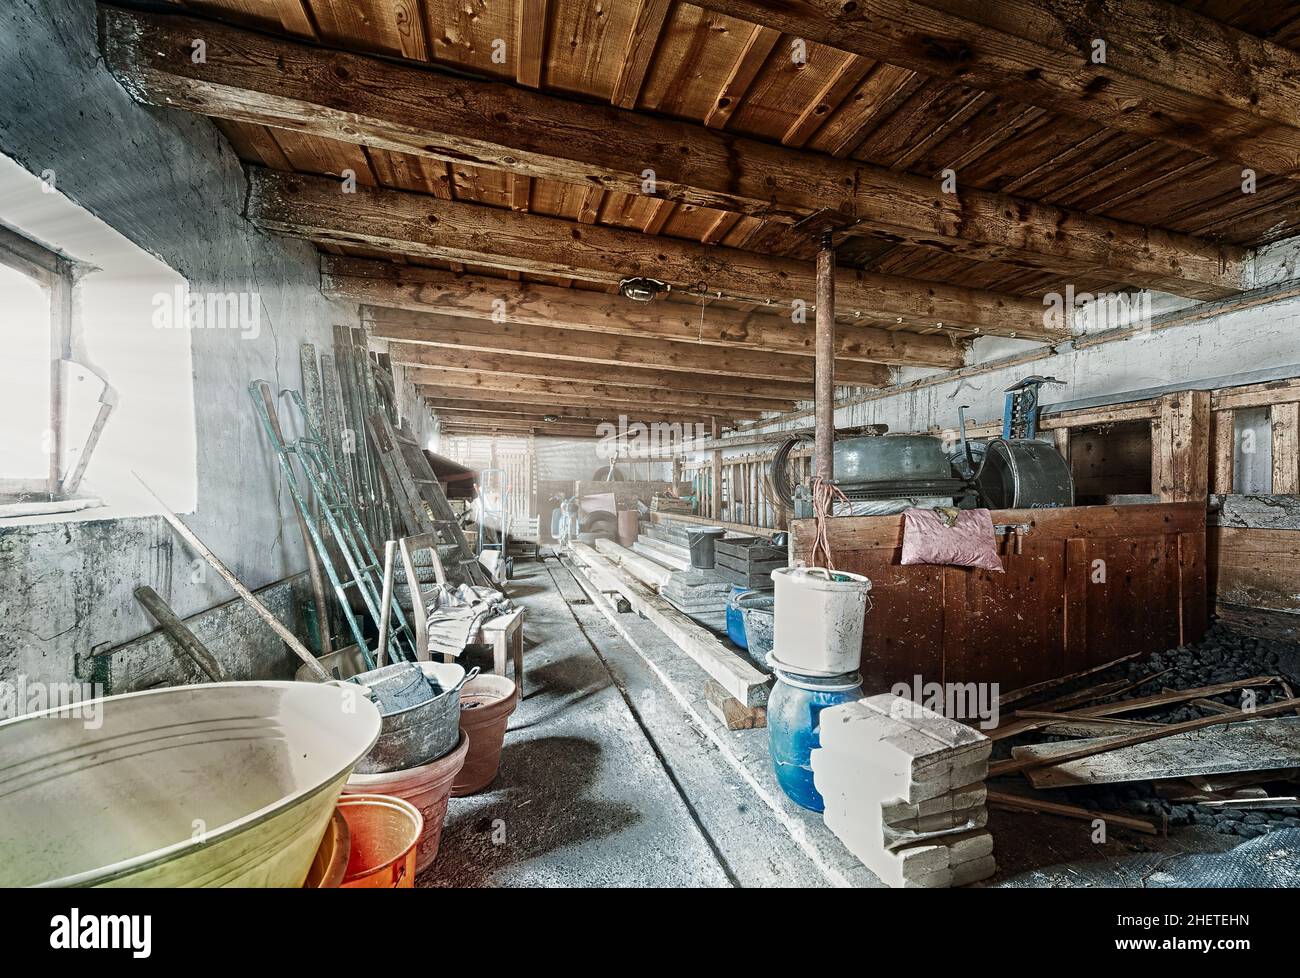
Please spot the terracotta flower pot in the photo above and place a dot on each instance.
(486, 703)
(426, 787)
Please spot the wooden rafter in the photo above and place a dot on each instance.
(378, 283)
(416, 224)
(603, 348)
(546, 390)
(542, 402)
(359, 99)
(451, 358)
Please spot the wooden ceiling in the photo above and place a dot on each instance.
(1102, 177)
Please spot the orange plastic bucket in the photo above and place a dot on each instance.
(384, 832)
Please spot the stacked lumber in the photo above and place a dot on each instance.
(904, 791)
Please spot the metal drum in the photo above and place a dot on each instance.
(1024, 474)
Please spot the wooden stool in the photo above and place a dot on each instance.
(505, 634)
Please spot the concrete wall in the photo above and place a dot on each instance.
(169, 182)
(1224, 341)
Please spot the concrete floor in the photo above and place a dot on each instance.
(588, 795)
(615, 774)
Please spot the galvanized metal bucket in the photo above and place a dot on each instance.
(424, 732)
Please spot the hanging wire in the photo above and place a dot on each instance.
(825, 496)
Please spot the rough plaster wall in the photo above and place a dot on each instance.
(169, 182)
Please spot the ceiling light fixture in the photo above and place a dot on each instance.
(643, 289)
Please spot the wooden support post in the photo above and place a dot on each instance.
(824, 384)
(1180, 447)
(1286, 448)
(716, 486)
(1222, 473)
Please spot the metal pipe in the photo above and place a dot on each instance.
(824, 384)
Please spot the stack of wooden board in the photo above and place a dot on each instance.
(904, 791)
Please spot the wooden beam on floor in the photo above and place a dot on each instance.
(416, 289)
(405, 223)
(452, 358)
(605, 348)
(544, 390)
(356, 98)
(1168, 73)
(728, 668)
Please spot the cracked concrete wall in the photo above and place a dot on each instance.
(170, 182)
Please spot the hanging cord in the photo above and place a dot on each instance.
(825, 496)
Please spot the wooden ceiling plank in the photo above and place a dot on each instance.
(355, 98)
(757, 47)
(1169, 74)
(530, 41)
(638, 53)
(431, 290)
(414, 224)
(847, 76)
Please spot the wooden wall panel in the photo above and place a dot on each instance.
(1053, 611)
(1256, 568)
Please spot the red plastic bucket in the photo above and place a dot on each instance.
(384, 832)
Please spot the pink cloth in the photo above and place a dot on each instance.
(927, 539)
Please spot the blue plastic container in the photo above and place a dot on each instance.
(794, 710)
(735, 620)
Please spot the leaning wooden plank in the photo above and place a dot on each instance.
(740, 679)
(1174, 696)
(1024, 692)
(1276, 801)
(1080, 751)
(263, 612)
(1003, 799)
(1065, 724)
(1261, 745)
(186, 641)
(645, 571)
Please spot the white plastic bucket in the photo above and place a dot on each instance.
(820, 615)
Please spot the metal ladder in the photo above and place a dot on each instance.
(364, 570)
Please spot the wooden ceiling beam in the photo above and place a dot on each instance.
(408, 223)
(472, 425)
(548, 403)
(451, 358)
(548, 390)
(604, 348)
(563, 415)
(416, 289)
(1168, 73)
(356, 98)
